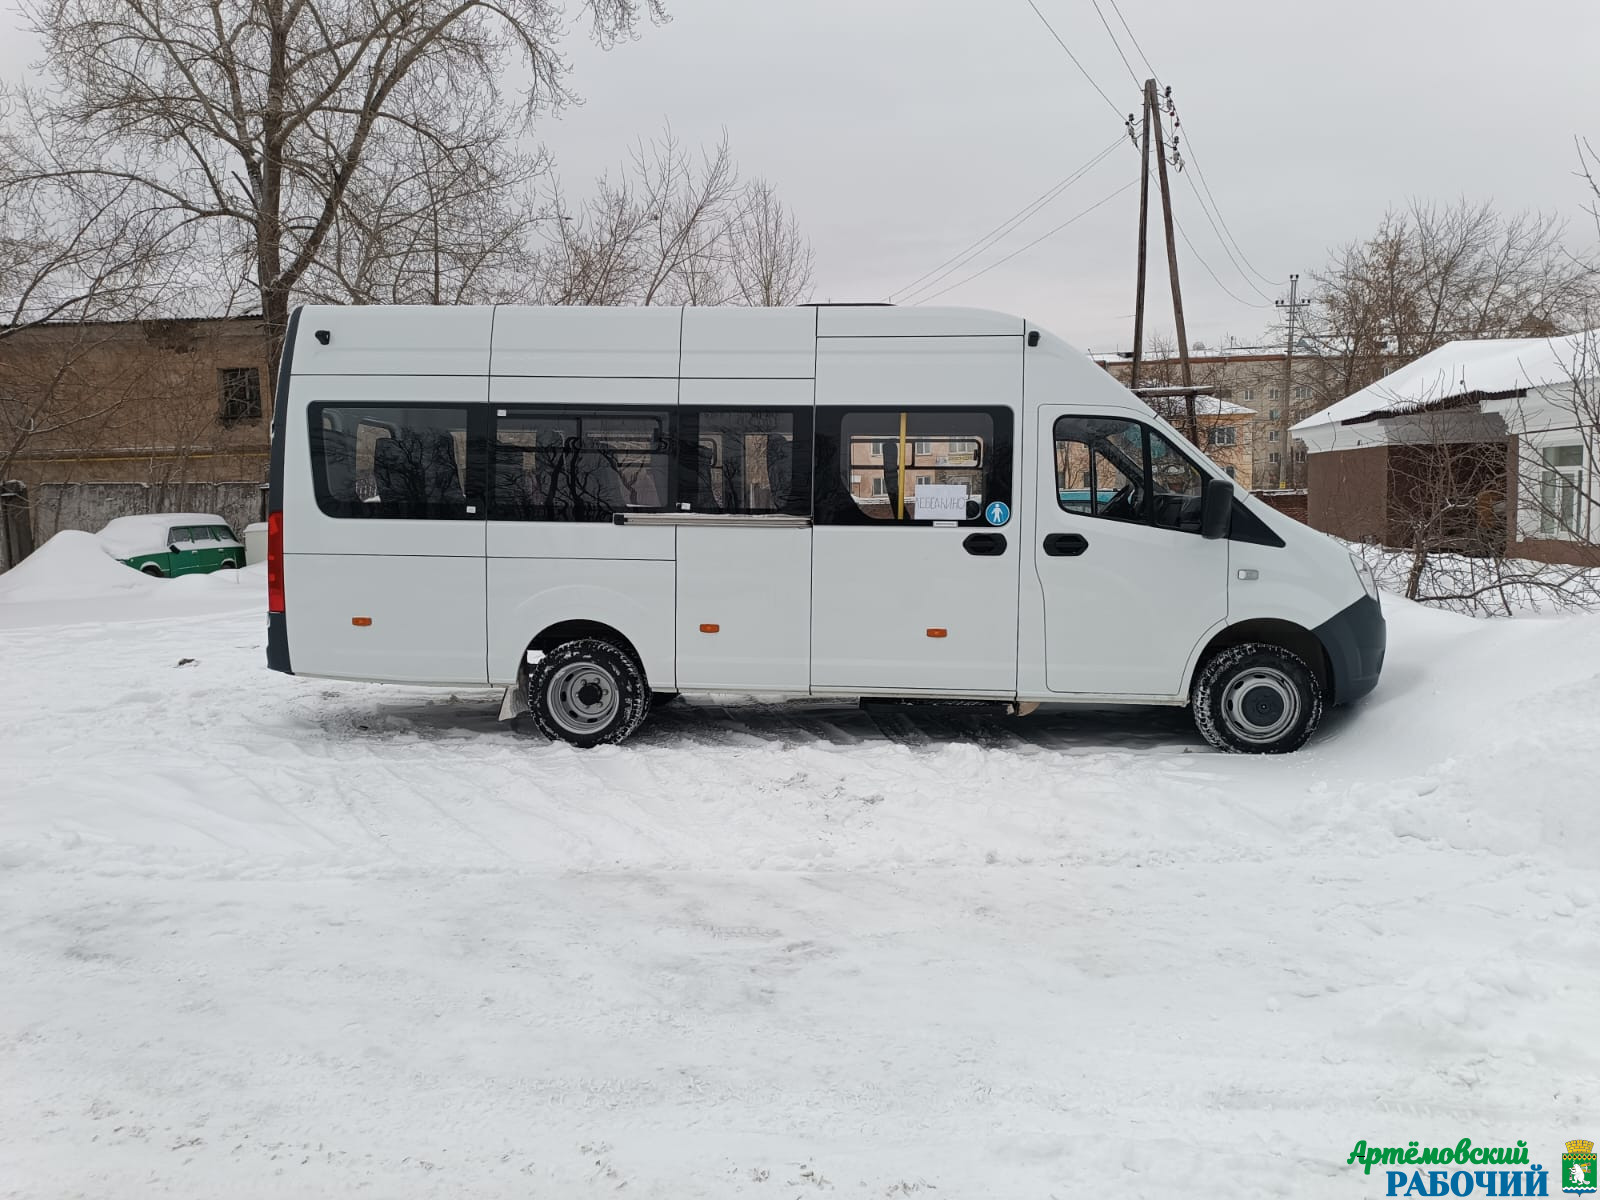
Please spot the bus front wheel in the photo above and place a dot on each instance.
(1256, 699)
(588, 692)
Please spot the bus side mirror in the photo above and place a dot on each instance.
(1216, 510)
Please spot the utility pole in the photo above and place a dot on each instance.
(1152, 118)
(1144, 225)
(1153, 108)
(1292, 307)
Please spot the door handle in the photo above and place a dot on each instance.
(1065, 545)
(985, 545)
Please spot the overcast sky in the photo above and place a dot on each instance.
(902, 130)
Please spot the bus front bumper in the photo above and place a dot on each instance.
(1355, 639)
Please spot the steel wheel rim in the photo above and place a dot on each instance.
(1260, 705)
(584, 698)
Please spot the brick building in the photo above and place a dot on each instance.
(1251, 377)
(104, 419)
(1482, 446)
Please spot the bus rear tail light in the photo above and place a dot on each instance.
(275, 562)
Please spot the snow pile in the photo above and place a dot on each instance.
(71, 566)
(71, 579)
(274, 936)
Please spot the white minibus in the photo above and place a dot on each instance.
(597, 508)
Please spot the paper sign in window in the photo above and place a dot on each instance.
(940, 502)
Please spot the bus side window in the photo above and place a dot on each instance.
(872, 461)
(569, 464)
(390, 461)
(1123, 470)
(745, 460)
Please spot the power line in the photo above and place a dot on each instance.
(1010, 224)
(1142, 57)
(1209, 195)
(1210, 272)
(1223, 242)
(1081, 69)
(1132, 74)
(1193, 159)
(1048, 233)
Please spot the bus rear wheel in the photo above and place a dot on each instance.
(588, 692)
(1256, 699)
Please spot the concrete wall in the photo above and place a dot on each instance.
(1347, 493)
(88, 506)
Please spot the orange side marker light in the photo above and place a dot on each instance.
(938, 633)
(711, 629)
(363, 622)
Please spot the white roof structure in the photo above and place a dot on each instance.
(1214, 406)
(1488, 368)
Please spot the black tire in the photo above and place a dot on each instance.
(152, 569)
(1256, 699)
(588, 693)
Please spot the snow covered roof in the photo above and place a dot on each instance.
(1215, 406)
(146, 533)
(1497, 366)
(1204, 406)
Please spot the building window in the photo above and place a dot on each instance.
(1299, 454)
(1272, 393)
(1222, 435)
(1274, 458)
(1272, 414)
(1561, 492)
(1233, 472)
(1302, 393)
(1249, 394)
(1272, 435)
(1222, 393)
(239, 390)
(923, 449)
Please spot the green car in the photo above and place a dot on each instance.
(168, 544)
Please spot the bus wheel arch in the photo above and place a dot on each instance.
(1272, 631)
(571, 631)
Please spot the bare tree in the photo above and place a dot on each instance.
(674, 227)
(1432, 274)
(424, 224)
(771, 263)
(73, 251)
(260, 116)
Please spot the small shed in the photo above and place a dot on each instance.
(1481, 446)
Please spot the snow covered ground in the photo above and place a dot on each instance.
(267, 936)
